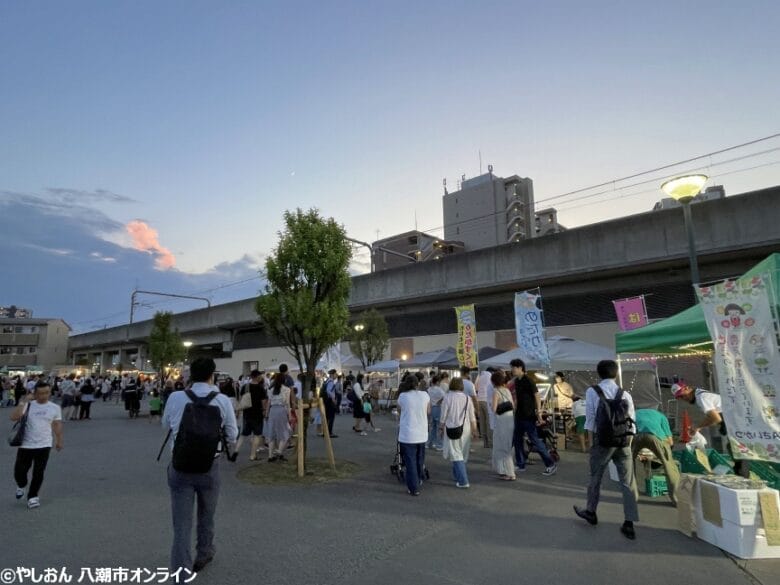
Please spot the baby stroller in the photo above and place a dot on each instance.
(547, 434)
(397, 467)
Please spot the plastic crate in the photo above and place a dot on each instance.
(769, 472)
(689, 463)
(656, 486)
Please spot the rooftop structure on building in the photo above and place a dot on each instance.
(488, 210)
(546, 222)
(709, 194)
(14, 312)
(413, 246)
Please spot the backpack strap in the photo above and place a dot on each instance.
(203, 399)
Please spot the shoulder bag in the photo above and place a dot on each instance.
(505, 406)
(16, 437)
(246, 400)
(456, 433)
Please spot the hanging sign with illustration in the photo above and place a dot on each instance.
(740, 321)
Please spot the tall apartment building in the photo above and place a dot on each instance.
(33, 342)
(488, 211)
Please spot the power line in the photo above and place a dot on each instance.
(614, 181)
(664, 167)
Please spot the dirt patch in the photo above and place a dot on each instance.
(280, 473)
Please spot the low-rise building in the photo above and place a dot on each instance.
(32, 344)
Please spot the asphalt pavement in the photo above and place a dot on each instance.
(105, 503)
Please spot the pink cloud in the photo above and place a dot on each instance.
(146, 239)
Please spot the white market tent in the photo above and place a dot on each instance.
(571, 355)
(430, 358)
(388, 366)
(566, 353)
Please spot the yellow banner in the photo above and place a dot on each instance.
(467, 336)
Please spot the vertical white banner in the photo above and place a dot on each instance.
(529, 328)
(739, 318)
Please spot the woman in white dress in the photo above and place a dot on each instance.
(503, 406)
(277, 416)
(458, 411)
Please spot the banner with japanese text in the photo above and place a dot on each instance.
(467, 336)
(530, 327)
(739, 318)
(631, 313)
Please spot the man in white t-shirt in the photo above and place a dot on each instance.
(485, 412)
(44, 418)
(68, 390)
(415, 405)
(711, 405)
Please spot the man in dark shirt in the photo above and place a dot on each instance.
(253, 416)
(528, 414)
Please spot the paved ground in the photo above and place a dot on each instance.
(105, 504)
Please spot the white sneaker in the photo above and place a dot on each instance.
(377, 430)
(363, 434)
(550, 470)
(463, 487)
(19, 493)
(33, 503)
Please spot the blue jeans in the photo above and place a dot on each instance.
(185, 487)
(413, 455)
(528, 427)
(433, 426)
(459, 472)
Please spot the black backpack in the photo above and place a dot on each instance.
(613, 425)
(199, 435)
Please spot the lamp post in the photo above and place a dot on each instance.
(187, 345)
(684, 189)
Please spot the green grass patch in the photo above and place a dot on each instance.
(286, 473)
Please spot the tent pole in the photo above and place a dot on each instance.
(620, 372)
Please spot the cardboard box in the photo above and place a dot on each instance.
(731, 520)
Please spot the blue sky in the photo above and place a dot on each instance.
(209, 119)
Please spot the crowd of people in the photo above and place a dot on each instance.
(436, 412)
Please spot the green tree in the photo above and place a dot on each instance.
(165, 345)
(305, 300)
(369, 338)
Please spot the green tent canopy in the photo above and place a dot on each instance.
(688, 327)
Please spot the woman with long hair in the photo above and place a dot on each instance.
(277, 427)
(457, 411)
(503, 406)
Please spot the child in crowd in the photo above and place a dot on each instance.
(578, 412)
(155, 406)
(367, 408)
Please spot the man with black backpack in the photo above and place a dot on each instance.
(610, 416)
(202, 422)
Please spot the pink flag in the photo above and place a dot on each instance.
(631, 313)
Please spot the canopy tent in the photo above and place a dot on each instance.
(689, 327)
(579, 359)
(429, 358)
(388, 366)
(484, 354)
(566, 353)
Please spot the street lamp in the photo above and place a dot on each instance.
(684, 189)
(359, 327)
(187, 344)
